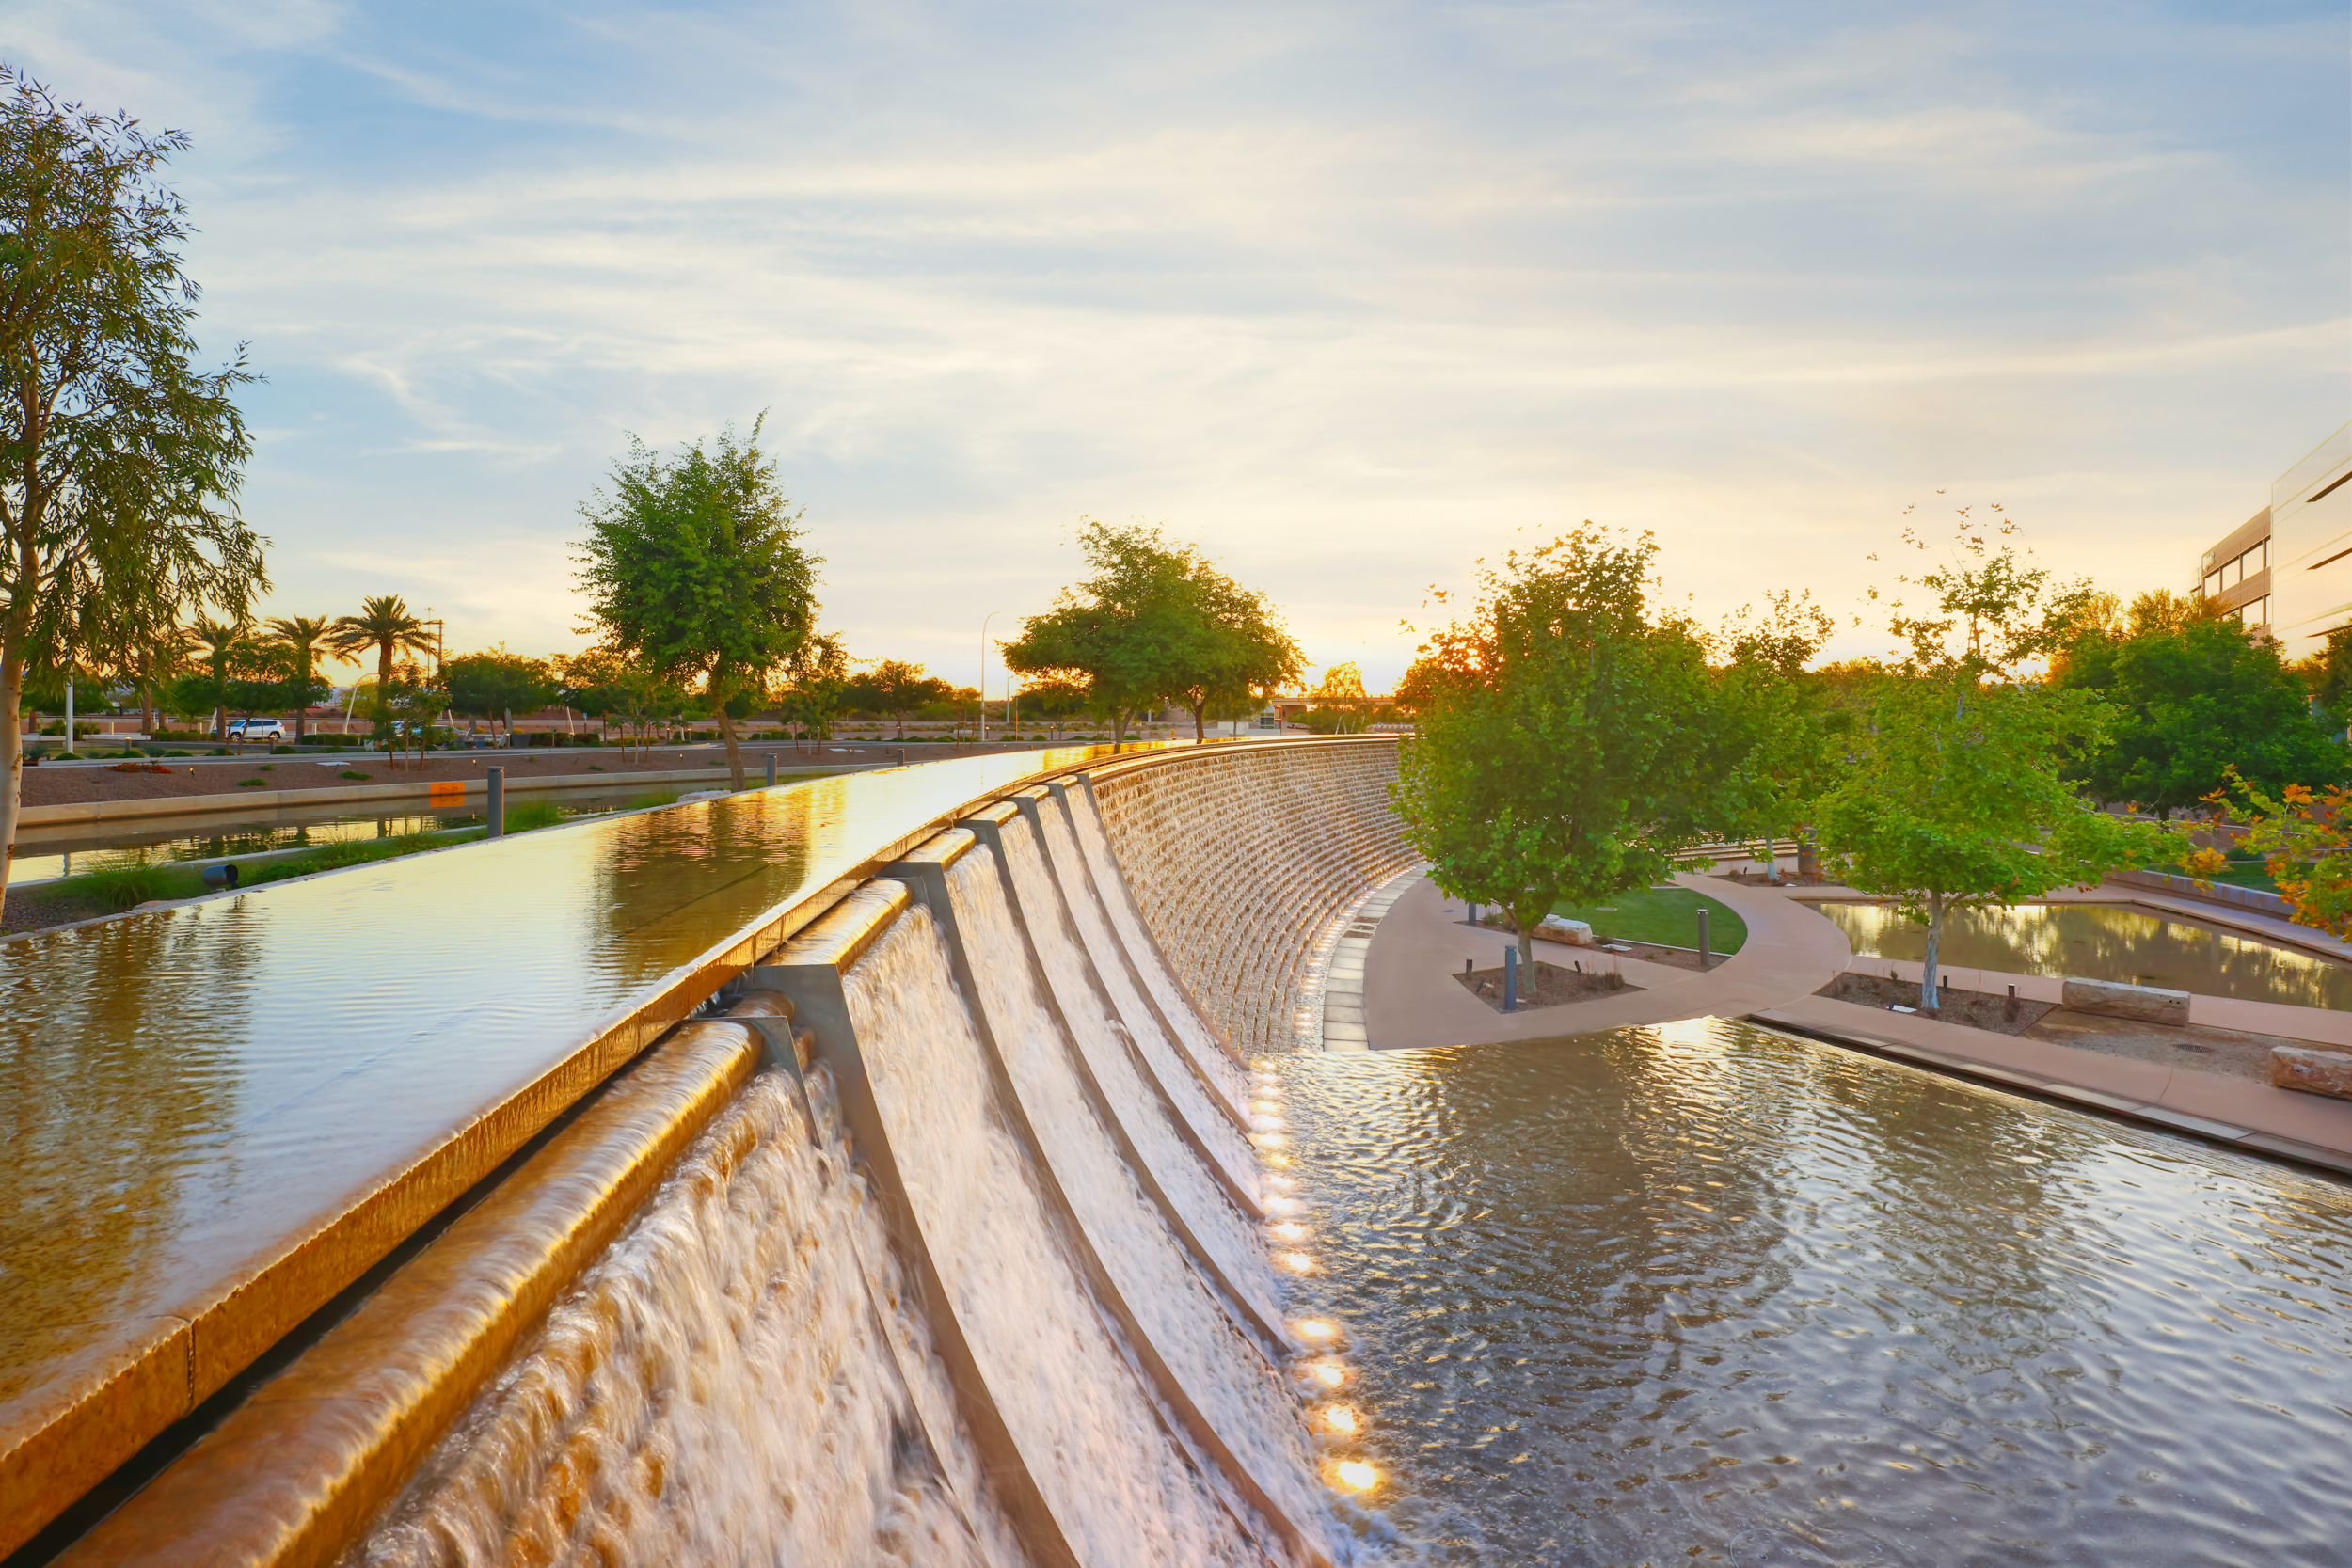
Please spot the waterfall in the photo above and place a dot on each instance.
(1151, 1124)
(1123, 1486)
(739, 1379)
(1192, 1033)
(1226, 1374)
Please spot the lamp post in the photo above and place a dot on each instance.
(984, 621)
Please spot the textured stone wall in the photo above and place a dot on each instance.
(1239, 856)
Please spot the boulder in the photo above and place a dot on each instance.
(2292, 1067)
(2114, 999)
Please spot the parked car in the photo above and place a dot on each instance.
(271, 729)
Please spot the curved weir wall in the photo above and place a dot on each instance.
(931, 1226)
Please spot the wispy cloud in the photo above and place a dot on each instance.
(1352, 295)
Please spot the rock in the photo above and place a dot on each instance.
(2114, 999)
(1555, 927)
(692, 795)
(2292, 1067)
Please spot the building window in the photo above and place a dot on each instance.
(2212, 584)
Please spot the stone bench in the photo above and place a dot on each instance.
(2293, 1066)
(2114, 999)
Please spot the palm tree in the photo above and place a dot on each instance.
(302, 637)
(385, 624)
(217, 643)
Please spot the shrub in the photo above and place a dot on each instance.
(533, 815)
(121, 887)
(653, 797)
(355, 773)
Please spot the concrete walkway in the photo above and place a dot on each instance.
(1412, 1000)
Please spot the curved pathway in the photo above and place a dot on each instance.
(1412, 998)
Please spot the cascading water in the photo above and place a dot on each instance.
(736, 1380)
(1151, 1123)
(1167, 1061)
(1119, 902)
(1124, 1488)
(1241, 1392)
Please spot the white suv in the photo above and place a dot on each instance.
(271, 729)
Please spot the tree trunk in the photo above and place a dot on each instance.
(1935, 936)
(1119, 728)
(12, 758)
(1199, 721)
(734, 748)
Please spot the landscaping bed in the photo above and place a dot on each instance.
(2001, 1014)
(1543, 985)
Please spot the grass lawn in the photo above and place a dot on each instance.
(1668, 916)
(2242, 871)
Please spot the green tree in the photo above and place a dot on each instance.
(385, 626)
(614, 686)
(695, 565)
(2195, 699)
(220, 648)
(299, 641)
(1341, 706)
(1156, 621)
(123, 461)
(1568, 741)
(815, 685)
(1777, 721)
(897, 689)
(1952, 795)
(496, 684)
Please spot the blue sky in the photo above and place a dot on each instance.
(1350, 295)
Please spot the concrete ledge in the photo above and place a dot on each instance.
(420, 789)
(297, 1470)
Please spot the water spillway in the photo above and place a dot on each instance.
(910, 1187)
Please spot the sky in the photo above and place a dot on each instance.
(1351, 295)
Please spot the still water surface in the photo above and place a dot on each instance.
(2104, 941)
(1705, 1293)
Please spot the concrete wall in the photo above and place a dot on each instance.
(1238, 857)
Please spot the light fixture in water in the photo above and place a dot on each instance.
(1280, 1182)
(1264, 1123)
(1297, 1262)
(1283, 1205)
(1289, 1231)
(1278, 1160)
(1265, 1108)
(1316, 1328)
(1342, 1418)
(1358, 1476)
(1268, 1140)
(1330, 1373)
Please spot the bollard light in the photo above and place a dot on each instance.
(498, 803)
(1705, 946)
(771, 771)
(1510, 979)
(220, 875)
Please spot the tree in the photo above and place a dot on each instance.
(814, 686)
(614, 686)
(2305, 838)
(897, 689)
(2195, 699)
(384, 624)
(497, 682)
(1154, 621)
(123, 461)
(1776, 721)
(1567, 744)
(1952, 795)
(695, 565)
(220, 646)
(1341, 706)
(300, 640)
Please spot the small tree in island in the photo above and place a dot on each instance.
(1570, 741)
(1953, 792)
(693, 566)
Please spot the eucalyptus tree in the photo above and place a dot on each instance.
(693, 566)
(120, 461)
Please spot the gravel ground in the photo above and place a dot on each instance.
(1541, 985)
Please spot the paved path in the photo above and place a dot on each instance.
(1411, 1000)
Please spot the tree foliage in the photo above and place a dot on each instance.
(1569, 738)
(1952, 792)
(694, 564)
(119, 462)
(2304, 837)
(385, 626)
(2195, 699)
(1156, 621)
(498, 685)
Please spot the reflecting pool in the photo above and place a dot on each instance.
(2105, 942)
(1707, 1293)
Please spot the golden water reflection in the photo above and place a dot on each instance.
(1717, 1294)
(2104, 941)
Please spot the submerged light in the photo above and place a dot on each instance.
(1316, 1328)
(1291, 1230)
(1342, 1418)
(1330, 1373)
(1297, 1262)
(1355, 1474)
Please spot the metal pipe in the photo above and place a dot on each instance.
(1511, 978)
(498, 803)
(1706, 956)
(771, 771)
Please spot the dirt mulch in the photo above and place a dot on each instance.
(2192, 1046)
(37, 911)
(2001, 1014)
(1672, 957)
(1543, 985)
